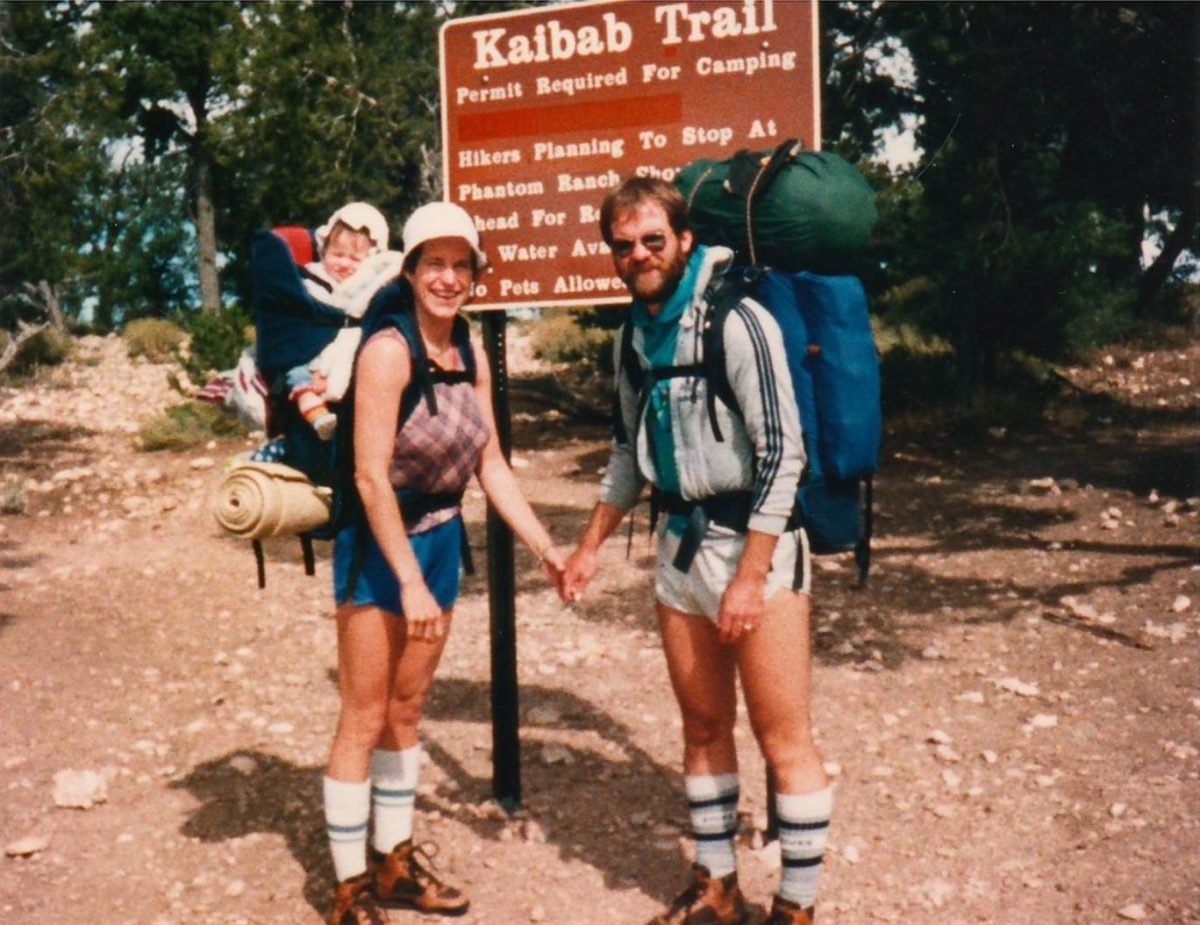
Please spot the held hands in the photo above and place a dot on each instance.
(742, 610)
(553, 563)
(570, 575)
(577, 575)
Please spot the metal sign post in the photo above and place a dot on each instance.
(502, 600)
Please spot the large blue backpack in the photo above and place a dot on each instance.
(834, 370)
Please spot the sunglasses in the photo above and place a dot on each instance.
(652, 242)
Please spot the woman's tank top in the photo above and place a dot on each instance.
(437, 453)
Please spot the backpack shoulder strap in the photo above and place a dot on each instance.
(723, 297)
(630, 366)
(420, 383)
(460, 336)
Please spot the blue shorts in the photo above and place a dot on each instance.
(438, 552)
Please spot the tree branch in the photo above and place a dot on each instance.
(25, 332)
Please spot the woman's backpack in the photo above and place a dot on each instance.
(292, 327)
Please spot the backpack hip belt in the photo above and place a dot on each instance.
(731, 509)
(414, 504)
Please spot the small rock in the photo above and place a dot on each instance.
(1181, 603)
(27, 846)
(850, 853)
(203, 462)
(1117, 810)
(243, 764)
(1043, 721)
(542, 715)
(79, 789)
(1047, 485)
(553, 753)
(537, 913)
(1134, 912)
(1018, 687)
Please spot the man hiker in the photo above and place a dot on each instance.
(732, 575)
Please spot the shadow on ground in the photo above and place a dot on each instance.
(248, 792)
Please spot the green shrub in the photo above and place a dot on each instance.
(1104, 318)
(559, 338)
(218, 339)
(185, 426)
(156, 339)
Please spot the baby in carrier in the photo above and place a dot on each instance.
(354, 264)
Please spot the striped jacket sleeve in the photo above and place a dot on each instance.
(622, 483)
(759, 377)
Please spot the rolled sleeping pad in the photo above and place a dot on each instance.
(258, 500)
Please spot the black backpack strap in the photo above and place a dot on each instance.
(460, 336)
(723, 297)
(259, 562)
(306, 550)
(425, 373)
(751, 175)
(862, 549)
(730, 509)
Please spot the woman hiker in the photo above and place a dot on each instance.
(404, 568)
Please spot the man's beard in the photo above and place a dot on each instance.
(657, 285)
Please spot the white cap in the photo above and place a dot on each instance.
(358, 216)
(442, 220)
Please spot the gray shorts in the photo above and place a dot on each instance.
(699, 590)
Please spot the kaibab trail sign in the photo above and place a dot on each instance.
(545, 110)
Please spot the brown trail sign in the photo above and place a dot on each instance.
(545, 110)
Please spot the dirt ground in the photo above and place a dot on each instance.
(1010, 708)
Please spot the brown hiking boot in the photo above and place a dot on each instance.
(401, 880)
(353, 903)
(706, 901)
(785, 912)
